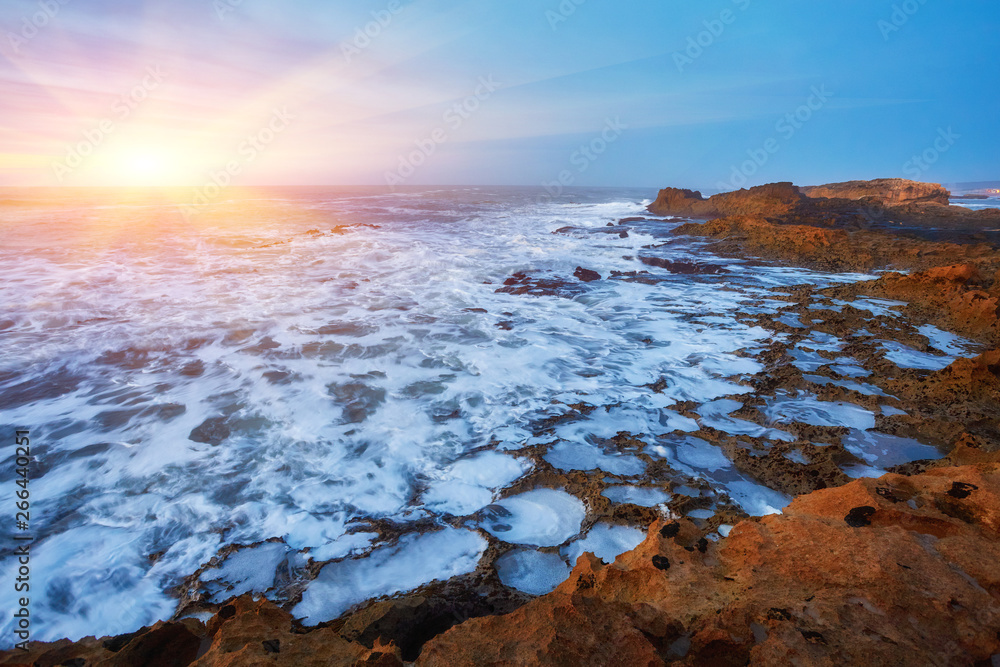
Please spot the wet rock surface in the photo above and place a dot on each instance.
(879, 572)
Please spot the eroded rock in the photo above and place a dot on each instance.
(806, 587)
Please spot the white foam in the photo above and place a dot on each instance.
(247, 570)
(581, 456)
(415, 561)
(809, 410)
(642, 496)
(857, 471)
(701, 455)
(885, 451)
(533, 572)
(850, 370)
(947, 342)
(797, 457)
(65, 571)
(905, 356)
(715, 415)
(606, 541)
(542, 518)
(879, 307)
(470, 484)
(698, 458)
(756, 499)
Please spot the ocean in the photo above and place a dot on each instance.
(326, 391)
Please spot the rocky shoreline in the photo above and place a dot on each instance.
(894, 570)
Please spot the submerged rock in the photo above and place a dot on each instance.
(586, 275)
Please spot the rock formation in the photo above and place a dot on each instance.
(895, 571)
(884, 191)
(883, 202)
(765, 200)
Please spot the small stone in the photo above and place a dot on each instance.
(670, 530)
(961, 490)
(813, 637)
(859, 517)
(212, 431)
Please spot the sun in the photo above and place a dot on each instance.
(145, 164)
(139, 165)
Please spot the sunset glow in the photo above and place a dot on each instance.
(172, 94)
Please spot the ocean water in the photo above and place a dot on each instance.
(290, 367)
(993, 201)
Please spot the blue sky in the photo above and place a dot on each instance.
(698, 94)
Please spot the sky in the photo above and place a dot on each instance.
(711, 95)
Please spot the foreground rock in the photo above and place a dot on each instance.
(243, 632)
(899, 570)
(895, 571)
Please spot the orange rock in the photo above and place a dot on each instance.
(890, 191)
(894, 571)
(244, 632)
(960, 273)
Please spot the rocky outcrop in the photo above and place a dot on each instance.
(964, 298)
(884, 191)
(243, 632)
(855, 204)
(765, 200)
(956, 285)
(829, 249)
(682, 203)
(895, 571)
